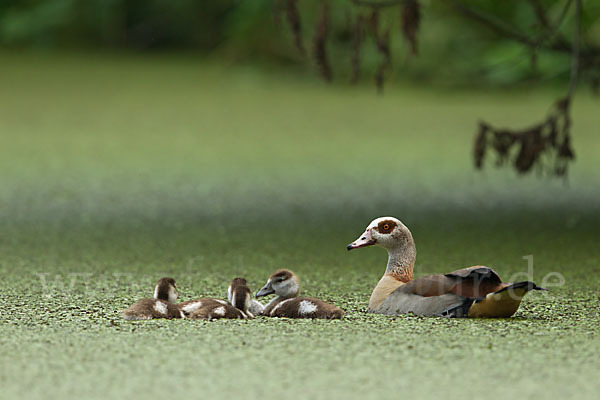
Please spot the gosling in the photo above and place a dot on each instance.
(161, 306)
(286, 285)
(240, 299)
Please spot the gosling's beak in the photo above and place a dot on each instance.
(266, 290)
(363, 241)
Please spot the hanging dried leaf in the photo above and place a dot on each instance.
(411, 19)
(357, 40)
(293, 17)
(551, 137)
(480, 144)
(374, 22)
(382, 43)
(524, 149)
(532, 145)
(383, 46)
(320, 41)
(502, 142)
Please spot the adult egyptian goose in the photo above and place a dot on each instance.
(240, 299)
(161, 306)
(286, 285)
(469, 292)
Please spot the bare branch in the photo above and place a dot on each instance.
(506, 30)
(563, 14)
(552, 29)
(494, 24)
(540, 13)
(320, 43)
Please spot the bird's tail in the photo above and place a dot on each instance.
(499, 304)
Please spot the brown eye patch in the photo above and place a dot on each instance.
(386, 226)
(281, 275)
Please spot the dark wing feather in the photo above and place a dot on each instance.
(474, 282)
(478, 272)
(469, 282)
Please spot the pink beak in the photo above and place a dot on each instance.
(364, 240)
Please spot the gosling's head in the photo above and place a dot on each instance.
(386, 232)
(239, 295)
(166, 289)
(283, 283)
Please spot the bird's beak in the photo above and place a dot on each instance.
(366, 239)
(266, 290)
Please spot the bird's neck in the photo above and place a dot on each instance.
(164, 292)
(273, 303)
(401, 260)
(399, 271)
(288, 295)
(240, 299)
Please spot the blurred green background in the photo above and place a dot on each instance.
(189, 139)
(452, 49)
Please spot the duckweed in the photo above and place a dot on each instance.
(113, 177)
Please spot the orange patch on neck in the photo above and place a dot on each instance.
(402, 275)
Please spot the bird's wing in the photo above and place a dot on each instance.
(402, 302)
(435, 294)
(475, 282)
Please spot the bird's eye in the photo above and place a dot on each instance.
(386, 227)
